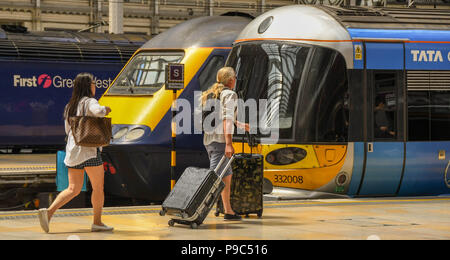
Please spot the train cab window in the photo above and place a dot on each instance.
(270, 72)
(144, 75)
(323, 111)
(208, 75)
(385, 105)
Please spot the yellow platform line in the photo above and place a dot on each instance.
(356, 201)
(271, 205)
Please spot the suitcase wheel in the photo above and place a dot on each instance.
(162, 213)
(194, 225)
(259, 214)
(171, 223)
(217, 213)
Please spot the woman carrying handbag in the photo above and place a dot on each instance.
(81, 158)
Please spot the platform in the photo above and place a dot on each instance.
(27, 168)
(360, 218)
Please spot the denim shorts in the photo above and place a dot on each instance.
(215, 153)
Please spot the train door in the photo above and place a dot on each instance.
(385, 151)
(427, 163)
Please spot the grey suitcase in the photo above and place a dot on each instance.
(194, 194)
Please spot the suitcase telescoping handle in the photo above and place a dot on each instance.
(226, 167)
(249, 141)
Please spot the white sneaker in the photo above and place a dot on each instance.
(43, 219)
(104, 228)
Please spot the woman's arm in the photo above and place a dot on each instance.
(228, 131)
(244, 126)
(96, 109)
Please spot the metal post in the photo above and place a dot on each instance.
(37, 21)
(173, 160)
(210, 7)
(115, 17)
(99, 16)
(261, 6)
(154, 27)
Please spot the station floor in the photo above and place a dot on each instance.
(321, 219)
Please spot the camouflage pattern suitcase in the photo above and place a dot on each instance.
(246, 185)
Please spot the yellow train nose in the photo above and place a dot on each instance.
(134, 109)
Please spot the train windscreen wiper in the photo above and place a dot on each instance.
(132, 84)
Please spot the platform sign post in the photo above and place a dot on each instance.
(174, 82)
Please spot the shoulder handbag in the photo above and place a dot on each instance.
(90, 131)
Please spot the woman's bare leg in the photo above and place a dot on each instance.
(76, 178)
(97, 177)
(226, 195)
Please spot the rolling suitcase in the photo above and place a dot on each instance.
(194, 194)
(246, 196)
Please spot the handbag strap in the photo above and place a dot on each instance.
(84, 106)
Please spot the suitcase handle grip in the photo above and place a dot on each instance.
(226, 167)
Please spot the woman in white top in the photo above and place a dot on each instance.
(78, 158)
(219, 143)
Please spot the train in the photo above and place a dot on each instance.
(37, 71)
(138, 160)
(362, 97)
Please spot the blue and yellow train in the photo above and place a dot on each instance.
(37, 71)
(138, 161)
(362, 97)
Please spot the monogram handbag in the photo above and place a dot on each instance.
(90, 131)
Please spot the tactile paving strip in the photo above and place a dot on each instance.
(28, 169)
(37, 167)
(279, 204)
(79, 212)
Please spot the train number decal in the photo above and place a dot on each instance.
(288, 179)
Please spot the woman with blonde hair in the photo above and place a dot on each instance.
(219, 143)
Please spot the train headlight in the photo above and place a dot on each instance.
(119, 134)
(341, 179)
(134, 134)
(265, 24)
(285, 156)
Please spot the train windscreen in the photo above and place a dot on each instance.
(299, 91)
(144, 75)
(271, 72)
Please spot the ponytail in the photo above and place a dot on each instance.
(224, 75)
(213, 92)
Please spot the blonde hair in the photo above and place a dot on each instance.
(224, 76)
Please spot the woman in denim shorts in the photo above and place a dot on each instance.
(218, 141)
(79, 158)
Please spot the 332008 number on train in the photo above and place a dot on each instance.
(288, 179)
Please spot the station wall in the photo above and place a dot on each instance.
(147, 16)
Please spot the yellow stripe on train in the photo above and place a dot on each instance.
(320, 166)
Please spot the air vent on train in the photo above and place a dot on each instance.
(428, 80)
(65, 51)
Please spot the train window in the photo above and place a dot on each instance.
(323, 105)
(385, 105)
(208, 75)
(428, 105)
(418, 115)
(144, 75)
(440, 115)
(270, 72)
